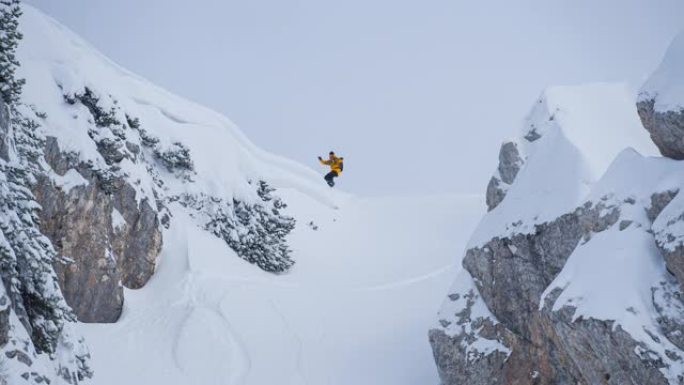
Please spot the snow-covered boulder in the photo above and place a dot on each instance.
(661, 102)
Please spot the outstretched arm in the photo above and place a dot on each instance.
(325, 162)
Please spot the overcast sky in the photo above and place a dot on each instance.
(417, 95)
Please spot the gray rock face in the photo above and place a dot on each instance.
(666, 128)
(675, 262)
(495, 193)
(510, 163)
(88, 273)
(600, 353)
(524, 265)
(454, 368)
(658, 203)
(457, 361)
(98, 258)
(673, 253)
(139, 241)
(545, 346)
(667, 301)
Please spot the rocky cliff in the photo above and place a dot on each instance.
(574, 276)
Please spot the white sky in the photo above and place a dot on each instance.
(417, 95)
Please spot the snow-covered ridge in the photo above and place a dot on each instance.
(58, 63)
(568, 140)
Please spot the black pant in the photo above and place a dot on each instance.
(329, 177)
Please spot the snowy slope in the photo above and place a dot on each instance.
(58, 62)
(353, 311)
(354, 308)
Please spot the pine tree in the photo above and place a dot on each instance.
(26, 255)
(27, 271)
(10, 86)
(255, 231)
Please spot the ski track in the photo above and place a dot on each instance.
(195, 300)
(383, 286)
(300, 346)
(409, 281)
(239, 350)
(177, 340)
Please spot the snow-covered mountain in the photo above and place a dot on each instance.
(191, 256)
(144, 239)
(575, 275)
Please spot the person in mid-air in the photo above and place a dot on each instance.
(336, 167)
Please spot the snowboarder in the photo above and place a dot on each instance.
(336, 167)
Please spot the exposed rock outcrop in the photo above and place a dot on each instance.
(668, 231)
(469, 344)
(666, 128)
(528, 263)
(510, 163)
(107, 239)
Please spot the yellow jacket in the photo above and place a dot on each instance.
(334, 162)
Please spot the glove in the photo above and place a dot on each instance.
(319, 158)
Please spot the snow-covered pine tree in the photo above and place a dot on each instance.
(26, 255)
(10, 86)
(256, 231)
(32, 280)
